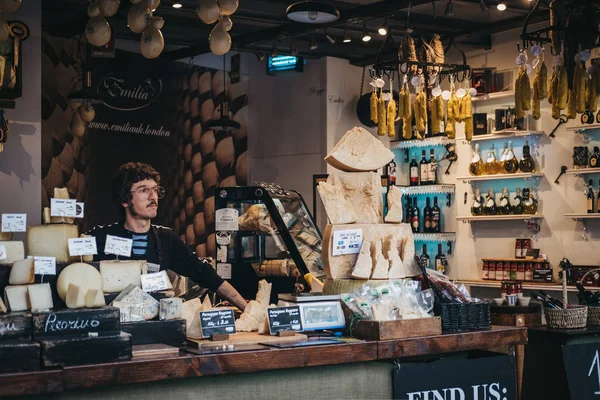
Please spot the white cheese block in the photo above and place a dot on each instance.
(40, 297)
(206, 304)
(394, 201)
(263, 296)
(256, 310)
(117, 275)
(263, 327)
(364, 263)
(75, 296)
(246, 323)
(51, 241)
(382, 312)
(380, 264)
(3, 309)
(15, 251)
(359, 151)
(391, 252)
(88, 258)
(16, 298)
(171, 308)
(409, 264)
(135, 297)
(81, 274)
(362, 191)
(61, 193)
(22, 272)
(191, 313)
(94, 298)
(338, 209)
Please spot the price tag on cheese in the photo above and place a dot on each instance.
(156, 281)
(118, 246)
(14, 222)
(216, 322)
(63, 208)
(284, 319)
(82, 246)
(44, 265)
(347, 241)
(3, 255)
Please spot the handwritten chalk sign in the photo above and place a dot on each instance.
(14, 222)
(118, 246)
(217, 322)
(284, 319)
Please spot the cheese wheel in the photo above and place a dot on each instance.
(181, 194)
(182, 218)
(81, 274)
(201, 250)
(195, 107)
(359, 151)
(117, 275)
(196, 134)
(199, 225)
(198, 192)
(6, 236)
(210, 175)
(211, 246)
(242, 118)
(209, 210)
(207, 144)
(189, 207)
(241, 169)
(193, 82)
(206, 110)
(188, 180)
(225, 153)
(197, 163)
(228, 182)
(190, 237)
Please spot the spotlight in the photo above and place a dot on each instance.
(347, 38)
(313, 42)
(330, 39)
(177, 4)
(259, 56)
(483, 5)
(366, 37)
(501, 6)
(383, 29)
(449, 9)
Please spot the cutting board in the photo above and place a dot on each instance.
(250, 338)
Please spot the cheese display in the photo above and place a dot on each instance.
(246, 323)
(16, 298)
(190, 311)
(137, 302)
(380, 264)
(391, 249)
(256, 218)
(40, 297)
(255, 314)
(81, 274)
(63, 194)
(94, 298)
(51, 241)
(364, 263)
(75, 296)
(362, 192)
(359, 151)
(338, 209)
(394, 202)
(263, 295)
(117, 275)
(170, 308)
(3, 308)
(22, 272)
(15, 251)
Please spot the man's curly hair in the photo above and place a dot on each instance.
(128, 175)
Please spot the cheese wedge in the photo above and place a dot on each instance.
(380, 264)
(392, 254)
(171, 308)
(206, 304)
(15, 251)
(40, 297)
(246, 323)
(364, 263)
(22, 272)
(362, 190)
(359, 151)
(263, 296)
(338, 209)
(61, 193)
(94, 298)
(394, 202)
(138, 302)
(83, 275)
(191, 313)
(409, 265)
(16, 298)
(117, 275)
(51, 241)
(3, 309)
(75, 297)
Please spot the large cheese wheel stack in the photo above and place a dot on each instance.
(352, 200)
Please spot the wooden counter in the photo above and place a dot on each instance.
(184, 365)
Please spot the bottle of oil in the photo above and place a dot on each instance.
(511, 165)
(477, 207)
(503, 158)
(517, 207)
(527, 164)
(529, 203)
(492, 166)
(476, 167)
(505, 207)
(490, 207)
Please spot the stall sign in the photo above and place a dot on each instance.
(582, 364)
(217, 322)
(284, 319)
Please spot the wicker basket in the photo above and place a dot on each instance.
(570, 318)
(593, 317)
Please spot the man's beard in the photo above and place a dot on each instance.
(132, 208)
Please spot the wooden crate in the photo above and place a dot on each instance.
(19, 356)
(380, 330)
(170, 332)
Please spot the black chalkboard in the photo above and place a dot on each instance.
(217, 322)
(82, 321)
(284, 319)
(15, 325)
(582, 364)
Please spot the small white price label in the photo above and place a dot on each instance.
(118, 246)
(14, 222)
(155, 282)
(44, 265)
(63, 208)
(226, 219)
(347, 241)
(82, 246)
(3, 255)
(224, 270)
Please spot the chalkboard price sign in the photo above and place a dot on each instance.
(217, 322)
(284, 319)
(582, 364)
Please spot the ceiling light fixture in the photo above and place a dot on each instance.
(501, 6)
(313, 42)
(177, 4)
(259, 56)
(347, 38)
(449, 12)
(383, 29)
(483, 5)
(312, 12)
(366, 37)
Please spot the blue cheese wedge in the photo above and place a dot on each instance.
(171, 308)
(137, 302)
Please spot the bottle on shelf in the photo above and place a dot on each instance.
(408, 211)
(424, 169)
(476, 167)
(511, 165)
(424, 259)
(598, 201)
(529, 203)
(477, 207)
(490, 207)
(414, 172)
(492, 166)
(432, 168)
(590, 198)
(436, 217)
(526, 164)
(505, 207)
(595, 158)
(586, 297)
(427, 214)
(517, 207)
(415, 220)
(390, 171)
(503, 158)
(440, 260)
(546, 302)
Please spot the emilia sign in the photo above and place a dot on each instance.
(129, 93)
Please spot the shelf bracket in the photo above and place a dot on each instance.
(532, 224)
(448, 199)
(449, 247)
(406, 155)
(584, 235)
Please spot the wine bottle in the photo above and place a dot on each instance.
(414, 172)
(490, 207)
(424, 259)
(424, 169)
(391, 172)
(511, 165)
(477, 207)
(415, 217)
(491, 163)
(517, 207)
(529, 203)
(526, 164)
(595, 158)
(505, 207)
(476, 167)
(503, 158)
(432, 168)
(551, 299)
(427, 216)
(408, 211)
(543, 300)
(585, 296)
(590, 198)
(440, 260)
(436, 217)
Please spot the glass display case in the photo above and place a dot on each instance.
(266, 232)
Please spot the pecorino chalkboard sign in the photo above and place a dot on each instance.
(15, 325)
(67, 322)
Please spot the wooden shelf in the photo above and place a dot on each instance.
(518, 175)
(526, 285)
(583, 128)
(521, 217)
(506, 135)
(435, 237)
(427, 189)
(583, 171)
(514, 259)
(493, 96)
(427, 142)
(583, 215)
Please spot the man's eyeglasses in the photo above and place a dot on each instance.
(145, 191)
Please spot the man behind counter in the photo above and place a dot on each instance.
(136, 190)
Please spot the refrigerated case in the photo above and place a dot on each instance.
(266, 232)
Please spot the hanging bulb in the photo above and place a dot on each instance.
(87, 112)
(208, 11)
(97, 31)
(176, 4)
(366, 37)
(383, 29)
(501, 6)
(138, 17)
(227, 23)
(219, 40)
(449, 12)
(313, 42)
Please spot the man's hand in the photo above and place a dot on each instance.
(228, 292)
